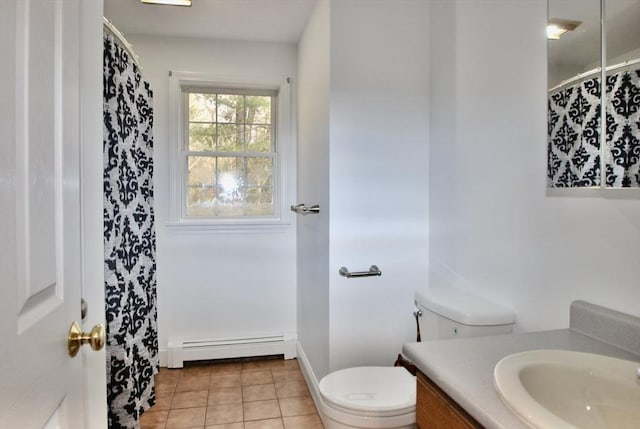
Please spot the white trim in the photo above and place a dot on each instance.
(309, 376)
(163, 355)
(231, 226)
(284, 164)
(191, 349)
(608, 193)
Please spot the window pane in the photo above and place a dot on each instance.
(201, 201)
(201, 170)
(202, 107)
(231, 180)
(202, 137)
(258, 109)
(201, 190)
(259, 189)
(230, 108)
(228, 184)
(258, 138)
(230, 138)
(231, 208)
(259, 171)
(259, 202)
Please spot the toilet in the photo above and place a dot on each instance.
(376, 397)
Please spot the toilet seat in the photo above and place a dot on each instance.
(370, 391)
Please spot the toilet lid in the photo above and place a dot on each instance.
(371, 389)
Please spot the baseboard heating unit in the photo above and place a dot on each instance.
(189, 349)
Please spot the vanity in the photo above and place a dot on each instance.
(436, 410)
(456, 377)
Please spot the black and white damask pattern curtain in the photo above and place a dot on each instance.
(623, 129)
(129, 239)
(574, 138)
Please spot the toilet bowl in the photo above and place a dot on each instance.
(373, 397)
(368, 397)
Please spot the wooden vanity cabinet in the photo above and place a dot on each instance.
(436, 410)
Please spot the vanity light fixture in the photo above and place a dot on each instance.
(556, 27)
(169, 2)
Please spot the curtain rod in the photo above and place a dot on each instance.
(125, 44)
(594, 71)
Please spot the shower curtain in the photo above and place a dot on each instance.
(129, 239)
(574, 138)
(623, 129)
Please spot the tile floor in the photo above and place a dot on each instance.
(260, 394)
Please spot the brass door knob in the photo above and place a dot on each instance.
(76, 338)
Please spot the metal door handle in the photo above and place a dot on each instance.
(304, 209)
(76, 338)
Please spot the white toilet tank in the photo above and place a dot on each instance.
(454, 313)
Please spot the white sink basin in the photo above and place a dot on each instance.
(557, 389)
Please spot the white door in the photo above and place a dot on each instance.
(40, 222)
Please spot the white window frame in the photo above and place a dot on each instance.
(284, 160)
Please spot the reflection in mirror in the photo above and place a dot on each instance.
(622, 143)
(574, 61)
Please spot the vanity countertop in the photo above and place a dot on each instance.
(463, 368)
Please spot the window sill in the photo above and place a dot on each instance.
(229, 225)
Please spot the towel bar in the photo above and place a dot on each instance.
(373, 271)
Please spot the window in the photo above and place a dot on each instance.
(231, 152)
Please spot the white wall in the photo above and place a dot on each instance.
(363, 149)
(216, 284)
(379, 182)
(493, 227)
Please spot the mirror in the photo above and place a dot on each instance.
(575, 95)
(573, 115)
(622, 106)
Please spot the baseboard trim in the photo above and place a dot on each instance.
(310, 377)
(163, 355)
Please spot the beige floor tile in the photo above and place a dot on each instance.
(263, 364)
(226, 368)
(238, 425)
(168, 374)
(218, 381)
(286, 375)
(274, 392)
(259, 410)
(264, 424)
(166, 384)
(224, 413)
(258, 392)
(163, 401)
(190, 399)
(186, 418)
(291, 364)
(303, 422)
(225, 395)
(299, 406)
(192, 382)
(153, 419)
(292, 389)
(256, 377)
(199, 370)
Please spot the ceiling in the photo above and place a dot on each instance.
(279, 21)
(283, 21)
(582, 47)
